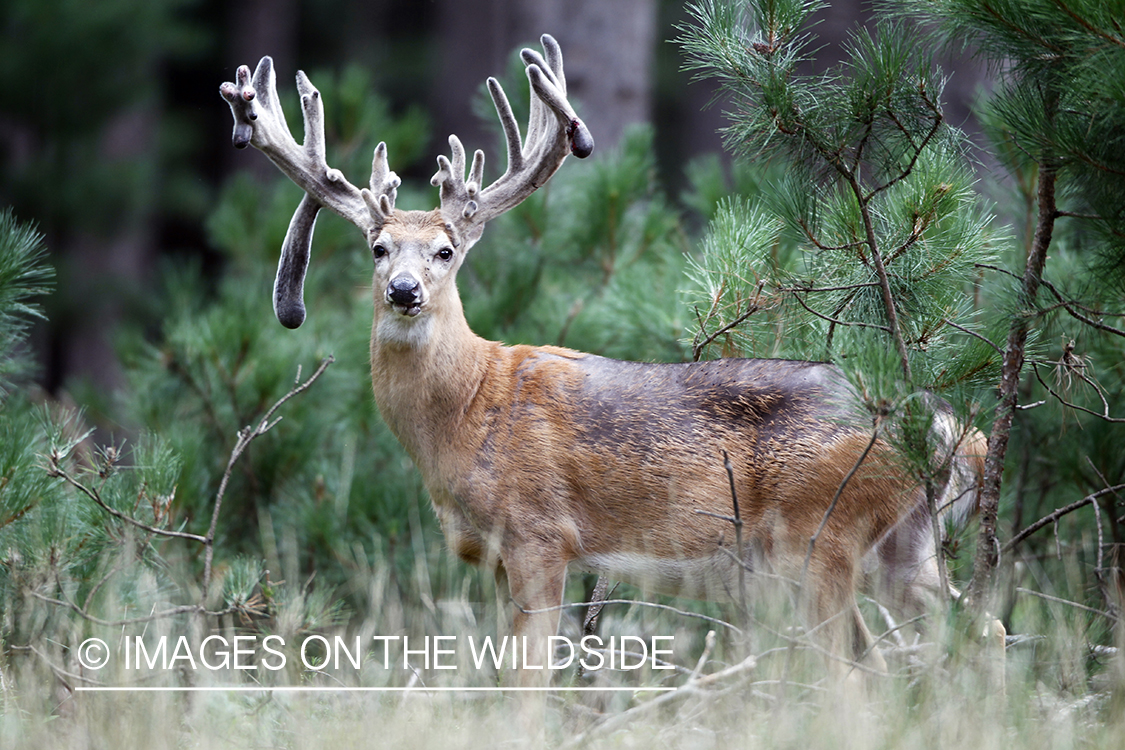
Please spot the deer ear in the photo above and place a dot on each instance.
(289, 286)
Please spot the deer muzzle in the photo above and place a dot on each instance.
(405, 293)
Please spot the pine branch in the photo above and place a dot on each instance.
(837, 321)
(55, 469)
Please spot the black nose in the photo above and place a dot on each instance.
(403, 290)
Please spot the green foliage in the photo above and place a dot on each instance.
(324, 524)
(40, 534)
(1056, 122)
(1062, 101)
(873, 201)
(24, 275)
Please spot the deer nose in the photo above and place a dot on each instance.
(403, 290)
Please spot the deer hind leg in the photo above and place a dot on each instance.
(906, 571)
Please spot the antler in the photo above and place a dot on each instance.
(553, 131)
(260, 122)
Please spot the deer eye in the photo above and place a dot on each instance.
(446, 253)
(379, 251)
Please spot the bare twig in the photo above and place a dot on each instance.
(820, 246)
(835, 499)
(171, 612)
(1056, 515)
(1024, 407)
(1067, 602)
(698, 345)
(844, 288)
(1070, 306)
(59, 672)
(962, 329)
(836, 321)
(939, 118)
(1104, 416)
(638, 602)
(245, 436)
(894, 630)
(737, 533)
(1099, 568)
(695, 685)
(708, 646)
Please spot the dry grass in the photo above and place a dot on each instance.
(1059, 692)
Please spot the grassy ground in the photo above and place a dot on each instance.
(1057, 692)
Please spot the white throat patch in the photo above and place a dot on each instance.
(413, 332)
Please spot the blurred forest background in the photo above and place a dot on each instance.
(113, 140)
(127, 374)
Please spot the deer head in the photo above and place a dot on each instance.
(416, 253)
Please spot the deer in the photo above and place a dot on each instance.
(542, 459)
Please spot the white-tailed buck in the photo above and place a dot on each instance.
(540, 459)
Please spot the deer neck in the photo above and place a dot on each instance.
(423, 382)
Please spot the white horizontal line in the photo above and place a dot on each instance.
(327, 689)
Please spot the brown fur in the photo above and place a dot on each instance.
(539, 458)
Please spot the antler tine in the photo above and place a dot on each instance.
(554, 131)
(259, 121)
(541, 116)
(509, 124)
(380, 197)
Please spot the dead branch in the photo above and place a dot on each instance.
(837, 321)
(698, 345)
(835, 499)
(1104, 416)
(696, 685)
(60, 673)
(1067, 602)
(1056, 515)
(245, 436)
(638, 602)
(184, 609)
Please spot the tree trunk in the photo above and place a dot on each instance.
(987, 558)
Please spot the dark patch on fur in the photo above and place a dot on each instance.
(646, 405)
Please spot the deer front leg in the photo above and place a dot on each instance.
(536, 583)
(832, 612)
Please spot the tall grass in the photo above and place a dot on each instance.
(943, 690)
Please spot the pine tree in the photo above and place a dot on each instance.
(1060, 114)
